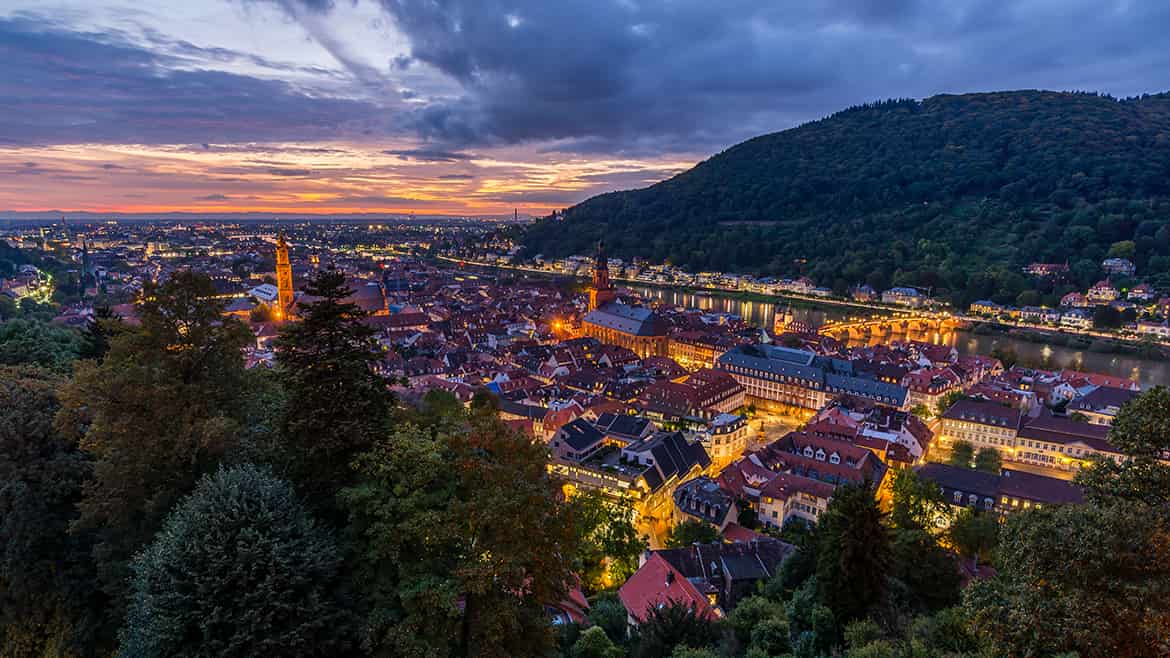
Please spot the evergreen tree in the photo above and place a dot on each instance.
(608, 612)
(853, 552)
(95, 339)
(336, 405)
(239, 569)
(670, 626)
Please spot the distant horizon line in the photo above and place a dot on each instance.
(8, 216)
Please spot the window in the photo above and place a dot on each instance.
(973, 500)
(958, 497)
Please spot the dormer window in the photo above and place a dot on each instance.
(808, 451)
(973, 500)
(834, 458)
(820, 455)
(958, 497)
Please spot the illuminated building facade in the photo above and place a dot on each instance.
(284, 284)
(635, 328)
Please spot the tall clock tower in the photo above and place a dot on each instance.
(602, 291)
(284, 285)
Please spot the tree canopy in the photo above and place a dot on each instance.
(462, 540)
(239, 569)
(156, 414)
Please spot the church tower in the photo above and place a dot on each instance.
(284, 285)
(602, 291)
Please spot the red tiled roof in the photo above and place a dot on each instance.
(734, 532)
(657, 583)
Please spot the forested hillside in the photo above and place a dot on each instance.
(954, 193)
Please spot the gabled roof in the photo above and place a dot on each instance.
(580, 434)
(1009, 482)
(659, 584)
(1104, 397)
(1058, 429)
(634, 320)
(984, 413)
(622, 425)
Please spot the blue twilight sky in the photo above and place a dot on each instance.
(479, 106)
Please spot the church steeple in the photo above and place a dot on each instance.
(284, 285)
(602, 291)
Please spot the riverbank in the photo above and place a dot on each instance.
(1076, 341)
(1094, 342)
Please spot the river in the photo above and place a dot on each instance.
(1147, 372)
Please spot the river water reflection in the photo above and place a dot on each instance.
(1147, 372)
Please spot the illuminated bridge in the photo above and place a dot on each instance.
(864, 328)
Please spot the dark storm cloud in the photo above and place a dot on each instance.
(430, 155)
(637, 78)
(691, 75)
(61, 87)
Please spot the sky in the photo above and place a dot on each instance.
(477, 107)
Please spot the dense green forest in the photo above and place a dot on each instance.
(951, 193)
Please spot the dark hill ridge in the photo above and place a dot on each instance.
(955, 192)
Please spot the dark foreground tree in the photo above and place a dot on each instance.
(974, 534)
(48, 599)
(1141, 431)
(462, 539)
(336, 405)
(671, 626)
(1086, 579)
(156, 414)
(95, 339)
(239, 569)
(853, 553)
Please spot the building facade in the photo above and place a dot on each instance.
(802, 380)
